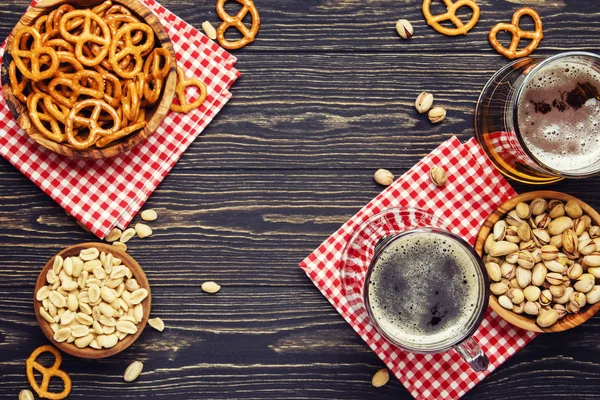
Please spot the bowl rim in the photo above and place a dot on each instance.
(19, 110)
(88, 352)
(522, 321)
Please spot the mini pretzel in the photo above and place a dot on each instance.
(47, 374)
(41, 118)
(76, 89)
(182, 84)
(238, 23)
(34, 55)
(106, 140)
(92, 122)
(18, 88)
(450, 15)
(103, 39)
(129, 49)
(155, 74)
(132, 99)
(512, 51)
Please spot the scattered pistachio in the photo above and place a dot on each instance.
(404, 28)
(437, 114)
(437, 175)
(380, 378)
(424, 102)
(383, 177)
(26, 395)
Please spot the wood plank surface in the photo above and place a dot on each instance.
(325, 98)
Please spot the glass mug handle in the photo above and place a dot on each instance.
(470, 351)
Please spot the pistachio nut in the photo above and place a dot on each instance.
(556, 208)
(524, 232)
(438, 176)
(528, 245)
(537, 255)
(493, 271)
(586, 247)
(503, 248)
(523, 210)
(593, 296)
(542, 221)
(584, 284)
(559, 225)
(554, 278)
(573, 209)
(562, 259)
(508, 270)
(512, 219)
(556, 241)
(562, 310)
(584, 236)
(593, 271)
(578, 299)
(532, 293)
(547, 318)
(488, 258)
(570, 243)
(538, 206)
(404, 29)
(549, 252)
(565, 297)
(512, 235)
(512, 257)
(437, 114)
(514, 284)
(579, 226)
(498, 288)
(538, 274)
(505, 302)
(519, 308)
(541, 237)
(383, 177)
(545, 297)
(424, 101)
(594, 231)
(488, 243)
(574, 271)
(532, 308)
(557, 290)
(525, 259)
(515, 295)
(555, 266)
(572, 308)
(523, 277)
(592, 260)
(499, 230)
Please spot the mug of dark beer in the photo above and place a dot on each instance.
(423, 288)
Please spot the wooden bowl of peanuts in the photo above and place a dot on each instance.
(92, 300)
(89, 78)
(542, 253)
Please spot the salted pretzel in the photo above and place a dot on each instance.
(132, 99)
(237, 21)
(53, 39)
(450, 15)
(48, 373)
(113, 89)
(86, 36)
(33, 70)
(77, 88)
(106, 140)
(92, 123)
(18, 87)
(43, 120)
(512, 51)
(156, 74)
(182, 84)
(117, 53)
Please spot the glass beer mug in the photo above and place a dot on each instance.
(538, 119)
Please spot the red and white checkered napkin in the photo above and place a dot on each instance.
(103, 194)
(473, 190)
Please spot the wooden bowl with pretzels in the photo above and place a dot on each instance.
(89, 79)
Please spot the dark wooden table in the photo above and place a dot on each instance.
(325, 99)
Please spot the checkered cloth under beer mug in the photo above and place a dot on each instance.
(474, 189)
(106, 193)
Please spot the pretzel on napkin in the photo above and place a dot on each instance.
(87, 76)
(47, 374)
(452, 6)
(512, 51)
(237, 21)
(182, 84)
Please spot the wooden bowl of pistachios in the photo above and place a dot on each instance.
(542, 254)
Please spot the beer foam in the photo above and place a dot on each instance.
(424, 289)
(559, 117)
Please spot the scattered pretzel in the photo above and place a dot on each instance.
(182, 84)
(47, 374)
(238, 23)
(512, 51)
(450, 15)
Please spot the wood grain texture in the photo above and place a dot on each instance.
(326, 97)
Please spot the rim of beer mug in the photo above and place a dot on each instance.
(474, 321)
(515, 109)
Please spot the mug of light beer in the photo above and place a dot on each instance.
(538, 119)
(423, 288)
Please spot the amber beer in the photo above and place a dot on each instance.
(539, 119)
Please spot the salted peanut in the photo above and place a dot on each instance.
(126, 327)
(42, 293)
(149, 215)
(57, 299)
(114, 235)
(132, 284)
(380, 378)
(210, 287)
(107, 341)
(143, 230)
(210, 30)
(119, 271)
(138, 295)
(138, 313)
(84, 341)
(133, 371)
(84, 319)
(67, 317)
(88, 254)
(107, 294)
(120, 246)
(157, 324)
(127, 235)
(62, 334)
(106, 310)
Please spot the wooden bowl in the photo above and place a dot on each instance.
(89, 352)
(523, 321)
(154, 115)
